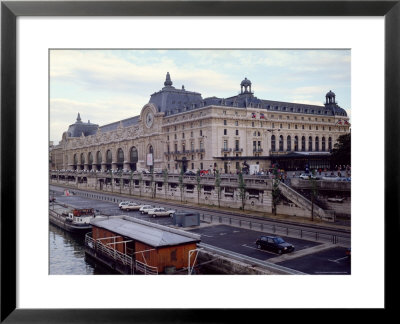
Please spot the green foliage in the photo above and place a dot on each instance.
(198, 185)
(341, 152)
(181, 185)
(165, 177)
(276, 192)
(242, 189)
(314, 192)
(218, 186)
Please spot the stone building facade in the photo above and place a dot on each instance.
(178, 129)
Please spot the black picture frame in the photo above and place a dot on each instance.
(10, 10)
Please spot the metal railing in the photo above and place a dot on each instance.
(278, 229)
(113, 253)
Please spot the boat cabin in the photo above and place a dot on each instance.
(81, 215)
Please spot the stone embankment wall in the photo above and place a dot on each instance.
(217, 264)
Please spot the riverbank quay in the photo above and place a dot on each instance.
(251, 214)
(210, 259)
(256, 193)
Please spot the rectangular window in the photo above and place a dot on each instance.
(237, 132)
(225, 145)
(295, 126)
(237, 145)
(224, 121)
(236, 123)
(225, 132)
(201, 132)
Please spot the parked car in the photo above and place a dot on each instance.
(161, 212)
(190, 173)
(305, 176)
(130, 206)
(123, 203)
(275, 244)
(145, 208)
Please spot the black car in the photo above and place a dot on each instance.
(274, 243)
(190, 173)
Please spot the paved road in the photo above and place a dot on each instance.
(309, 257)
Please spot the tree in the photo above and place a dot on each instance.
(218, 186)
(112, 180)
(276, 192)
(130, 182)
(341, 152)
(152, 183)
(314, 192)
(242, 189)
(198, 185)
(140, 184)
(165, 177)
(181, 185)
(120, 180)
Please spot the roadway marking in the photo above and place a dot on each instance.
(206, 235)
(255, 248)
(337, 260)
(250, 247)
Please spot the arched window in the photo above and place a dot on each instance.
(303, 143)
(317, 144)
(273, 147)
(133, 155)
(323, 144)
(289, 143)
(310, 144)
(99, 159)
(108, 157)
(90, 158)
(296, 143)
(281, 143)
(82, 158)
(120, 156)
(75, 159)
(330, 143)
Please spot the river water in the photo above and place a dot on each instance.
(67, 255)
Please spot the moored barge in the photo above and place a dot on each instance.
(74, 220)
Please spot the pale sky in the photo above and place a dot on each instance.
(105, 86)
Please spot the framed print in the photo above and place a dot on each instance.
(30, 29)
